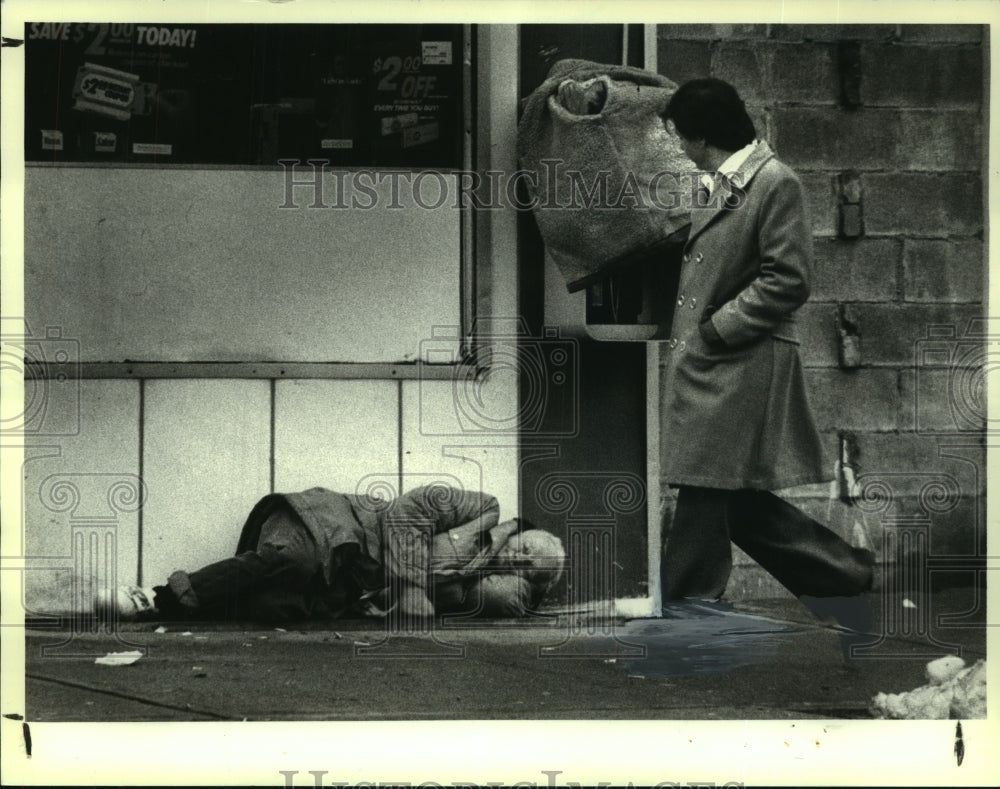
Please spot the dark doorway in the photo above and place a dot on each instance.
(608, 409)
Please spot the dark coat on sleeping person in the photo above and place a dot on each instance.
(368, 546)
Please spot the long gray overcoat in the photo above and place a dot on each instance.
(735, 411)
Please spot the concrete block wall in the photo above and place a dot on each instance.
(890, 120)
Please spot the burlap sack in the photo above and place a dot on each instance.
(608, 189)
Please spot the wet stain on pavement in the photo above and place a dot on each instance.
(697, 639)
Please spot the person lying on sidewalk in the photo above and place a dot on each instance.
(320, 554)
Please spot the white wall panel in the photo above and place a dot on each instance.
(81, 489)
(207, 462)
(204, 265)
(333, 434)
(439, 444)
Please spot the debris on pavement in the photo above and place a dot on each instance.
(161, 629)
(908, 603)
(941, 670)
(119, 658)
(952, 691)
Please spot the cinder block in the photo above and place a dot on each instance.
(817, 326)
(929, 398)
(964, 533)
(804, 74)
(834, 139)
(950, 524)
(857, 400)
(760, 114)
(921, 76)
(942, 523)
(850, 209)
(944, 402)
(743, 68)
(690, 32)
(821, 201)
(832, 32)
(681, 60)
(906, 463)
(848, 338)
(879, 139)
(894, 471)
(858, 270)
(905, 487)
(849, 68)
(893, 335)
(951, 271)
(852, 220)
(940, 140)
(744, 31)
(928, 205)
(712, 32)
(944, 391)
(945, 34)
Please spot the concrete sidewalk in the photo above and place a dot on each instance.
(765, 660)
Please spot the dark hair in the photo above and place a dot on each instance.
(710, 109)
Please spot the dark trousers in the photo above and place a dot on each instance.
(806, 557)
(271, 583)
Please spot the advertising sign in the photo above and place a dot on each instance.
(355, 95)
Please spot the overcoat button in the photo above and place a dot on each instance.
(673, 343)
(694, 303)
(687, 257)
(699, 257)
(680, 300)
(682, 346)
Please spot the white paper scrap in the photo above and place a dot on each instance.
(119, 658)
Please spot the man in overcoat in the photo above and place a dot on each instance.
(320, 554)
(737, 423)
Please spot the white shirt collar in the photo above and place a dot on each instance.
(731, 165)
(734, 162)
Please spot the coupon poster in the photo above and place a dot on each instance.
(354, 95)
